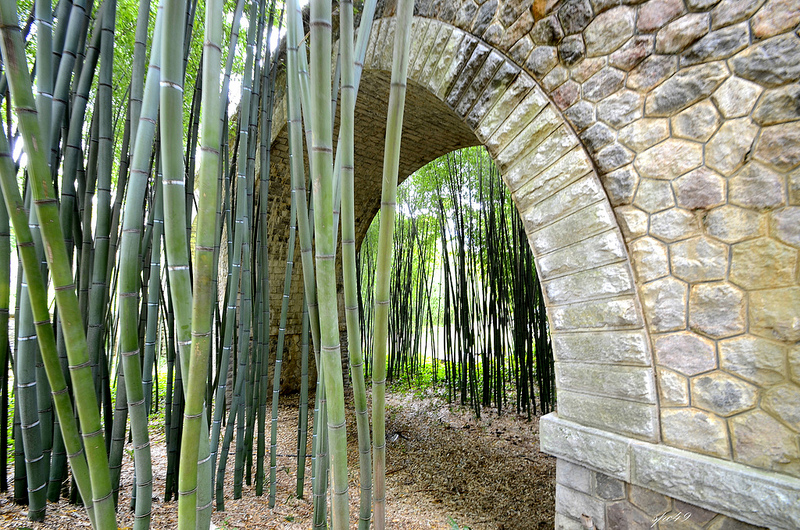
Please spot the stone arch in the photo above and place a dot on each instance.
(658, 134)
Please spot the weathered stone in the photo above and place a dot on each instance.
(673, 224)
(628, 347)
(775, 17)
(572, 50)
(779, 105)
(698, 122)
(608, 31)
(541, 60)
(756, 360)
(587, 69)
(615, 415)
(722, 394)
(785, 225)
(620, 108)
(774, 313)
(499, 129)
(495, 89)
(730, 12)
(565, 201)
(648, 501)
(779, 145)
(518, 29)
(654, 195)
(656, 13)
(484, 18)
(608, 488)
(762, 264)
(770, 63)
(628, 382)
(465, 15)
(669, 159)
(699, 515)
(592, 220)
(620, 185)
(562, 522)
(566, 94)
(597, 315)
(575, 15)
(632, 52)
(695, 430)
(673, 389)
(597, 136)
(555, 78)
(623, 516)
(716, 309)
(652, 72)
(701, 5)
(688, 86)
(644, 133)
(610, 280)
(540, 177)
(677, 35)
(699, 259)
(794, 363)
(574, 503)
(664, 304)
(512, 11)
(727, 523)
(794, 188)
(732, 224)
(649, 259)
(612, 157)
(632, 221)
(580, 115)
(735, 97)
(603, 84)
(685, 352)
(573, 476)
(701, 189)
(519, 52)
(783, 402)
(761, 441)
(717, 45)
(757, 186)
(726, 151)
(547, 32)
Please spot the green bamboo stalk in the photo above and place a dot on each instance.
(349, 262)
(391, 159)
(302, 427)
(52, 235)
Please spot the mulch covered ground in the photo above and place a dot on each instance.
(445, 469)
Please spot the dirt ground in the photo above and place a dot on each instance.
(445, 470)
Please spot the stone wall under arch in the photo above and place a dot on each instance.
(652, 148)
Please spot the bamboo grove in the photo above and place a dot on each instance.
(468, 310)
(130, 180)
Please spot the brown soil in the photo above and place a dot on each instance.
(445, 469)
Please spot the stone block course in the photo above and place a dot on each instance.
(627, 382)
(625, 347)
(634, 419)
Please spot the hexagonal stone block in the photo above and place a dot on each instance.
(726, 151)
(700, 189)
(698, 122)
(608, 31)
(735, 97)
(648, 501)
(756, 360)
(695, 430)
(699, 259)
(775, 17)
(620, 185)
(613, 157)
(775, 313)
(654, 195)
(677, 35)
(673, 224)
(722, 394)
(717, 309)
(794, 363)
(632, 221)
(779, 145)
(688, 86)
(575, 15)
(664, 303)
(778, 105)
(620, 108)
(632, 52)
(732, 224)
(644, 133)
(652, 72)
(757, 186)
(732, 11)
(603, 84)
(783, 402)
(685, 352)
(771, 62)
(785, 225)
(582, 72)
(760, 440)
(649, 259)
(673, 388)
(762, 264)
(669, 159)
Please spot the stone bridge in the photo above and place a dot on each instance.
(652, 149)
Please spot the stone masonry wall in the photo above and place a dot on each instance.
(653, 150)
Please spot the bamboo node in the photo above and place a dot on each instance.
(169, 84)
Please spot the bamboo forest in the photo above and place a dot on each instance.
(135, 165)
